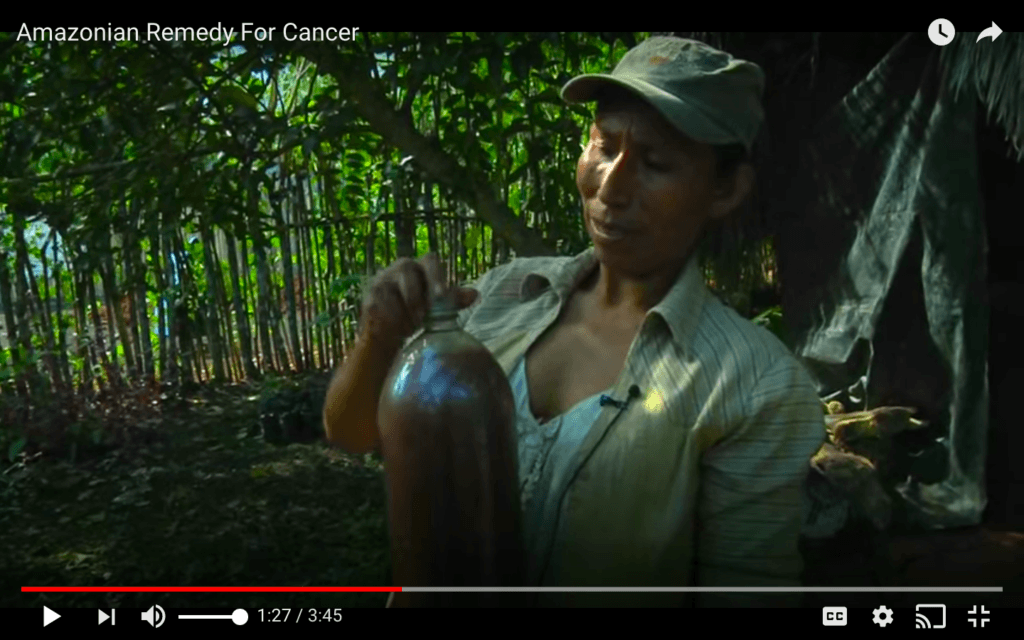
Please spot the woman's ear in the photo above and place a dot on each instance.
(732, 193)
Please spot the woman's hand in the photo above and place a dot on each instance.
(395, 306)
(397, 301)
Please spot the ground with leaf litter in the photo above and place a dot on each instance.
(207, 503)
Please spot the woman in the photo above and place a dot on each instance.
(692, 474)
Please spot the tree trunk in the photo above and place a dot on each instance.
(83, 341)
(115, 317)
(339, 229)
(21, 267)
(251, 302)
(233, 359)
(136, 314)
(113, 376)
(213, 336)
(165, 340)
(314, 279)
(179, 338)
(330, 204)
(463, 252)
(307, 289)
(387, 231)
(370, 245)
(431, 222)
(289, 283)
(129, 304)
(62, 341)
(198, 355)
(6, 299)
(144, 335)
(241, 316)
(56, 377)
(264, 303)
(405, 225)
(336, 351)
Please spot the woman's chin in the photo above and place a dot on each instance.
(612, 256)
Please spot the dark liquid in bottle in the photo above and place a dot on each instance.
(449, 448)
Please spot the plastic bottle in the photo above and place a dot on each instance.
(446, 420)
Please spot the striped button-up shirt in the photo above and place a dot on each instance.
(698, 482)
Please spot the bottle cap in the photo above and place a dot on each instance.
(443, 302)
(443, 305)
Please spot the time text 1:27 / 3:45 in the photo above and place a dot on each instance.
(299, 615)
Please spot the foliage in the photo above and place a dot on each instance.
(291, 410)
(771, 319)
(133, 174)
(76, 427)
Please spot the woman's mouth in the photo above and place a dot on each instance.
(607, 231)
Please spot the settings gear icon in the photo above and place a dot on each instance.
(882, 616)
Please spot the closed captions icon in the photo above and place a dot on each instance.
(930, 616)
(833, 616)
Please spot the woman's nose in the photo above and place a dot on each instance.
(618, 180)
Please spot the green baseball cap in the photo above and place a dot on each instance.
(705, 93)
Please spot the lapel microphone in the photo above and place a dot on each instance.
(634, 392)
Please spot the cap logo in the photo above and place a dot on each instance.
(656, 60)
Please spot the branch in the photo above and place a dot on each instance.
(441, 167)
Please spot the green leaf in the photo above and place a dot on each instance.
(309, 145)
(518, 125)
(550, 96)
(239, 97)
(16, 448)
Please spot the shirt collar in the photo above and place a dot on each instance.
(680, 309)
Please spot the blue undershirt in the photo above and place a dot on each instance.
(545, 453)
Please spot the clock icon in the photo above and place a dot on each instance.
(941, 32)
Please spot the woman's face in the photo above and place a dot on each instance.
(647, 190)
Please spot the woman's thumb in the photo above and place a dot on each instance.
(465, 296)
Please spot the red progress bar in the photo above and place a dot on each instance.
(207, 589)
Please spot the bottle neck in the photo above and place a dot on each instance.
(441, 319)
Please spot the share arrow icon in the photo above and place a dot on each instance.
(992, 32)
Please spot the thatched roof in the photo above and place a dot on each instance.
(808, 73)
(995, 70)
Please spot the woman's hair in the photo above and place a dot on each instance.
(728, 158)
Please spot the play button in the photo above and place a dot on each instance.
(49, 615)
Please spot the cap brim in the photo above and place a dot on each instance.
(695, 124)
(585, 88)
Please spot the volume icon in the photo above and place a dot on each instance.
(154, 619)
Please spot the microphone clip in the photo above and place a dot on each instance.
(634, 392)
